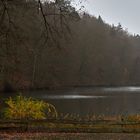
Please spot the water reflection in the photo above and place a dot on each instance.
(71, 97)
(123, 89)
(92, 100)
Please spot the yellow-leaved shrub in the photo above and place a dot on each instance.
(27, 108)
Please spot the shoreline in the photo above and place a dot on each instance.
(3, 90)
(69, 126)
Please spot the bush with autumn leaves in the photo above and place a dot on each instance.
(27, 108)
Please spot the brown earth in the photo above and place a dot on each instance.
(69, 136)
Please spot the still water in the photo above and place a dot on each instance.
(91, 100)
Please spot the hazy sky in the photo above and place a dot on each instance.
(127, 12)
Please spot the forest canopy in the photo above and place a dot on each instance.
(50, 44)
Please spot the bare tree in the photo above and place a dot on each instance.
(52, 21)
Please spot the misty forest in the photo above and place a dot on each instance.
(67, 74)
(53, 45)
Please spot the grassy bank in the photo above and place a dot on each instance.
(53, 126)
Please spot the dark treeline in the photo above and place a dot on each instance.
(51, 45)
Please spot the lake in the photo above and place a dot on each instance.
(90, 100)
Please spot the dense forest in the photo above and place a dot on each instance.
(52, 45)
